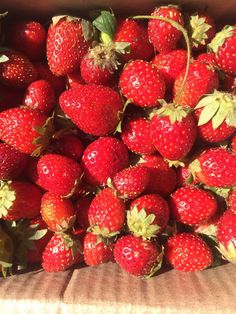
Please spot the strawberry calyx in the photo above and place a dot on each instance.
(219, 39)
(3, 58)
(194, 168)
(7, 197)
(174, 112)
(67, 18)
(223, 192)
(199, 29)
(71, 243)
(66, 224)
(228, 252)
(174, 163)
(106, 23)
(102, 232)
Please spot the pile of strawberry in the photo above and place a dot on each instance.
(118, 142)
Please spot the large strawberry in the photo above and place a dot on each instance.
(66, 44)
(93, 108)
(141, 82)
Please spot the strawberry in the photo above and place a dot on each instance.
(223, 45)
(173, 131)
(96, 250)
(98, 110)
(207, 57)
(61, 252)
(106, 213)
(26, 130)
(12, 162)
(162, 176)
(138, 257)
(232, 201)
(17, 71)
(58, 174)
(70, 146)
(148, 215)
(187, 252)
(14, 201)
(142, 82)
(6, 252)
(163, 35)
(226, 236)
(64, 55)
(136, 136)
(201, 80)
(81, 210)
(192, 206)
(57, 212)
(29, 37)
(74, 79)
(134, 33)
(10, 97)
(102, 159)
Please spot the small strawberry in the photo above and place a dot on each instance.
(226, 236)
(98, 110)
(57, 212)
(163, 35)
(232, 201)
(14, 200)
(66, 44)
(102, 159)
(10, 97)
(141, 82)
(6, 252)
(138, 257)
(187, 252)
(81, 210)
(148, 215)
(70, 146)
(74, 79)
(58, 174)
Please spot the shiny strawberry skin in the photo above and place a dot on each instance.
(69, 146)
(232, 201)
(74, 79)
(207, 57)
(81, 210)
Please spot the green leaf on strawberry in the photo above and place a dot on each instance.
(106, 23)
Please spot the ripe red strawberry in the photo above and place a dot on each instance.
(29, 37)
(18, 71)
(81, 210)
(142, 82)
(233, 143)
(148, 215)
(162, 176)
(70, 146)
(173, 131)
(134, 33)
(201, 80)
(136, 136)
(61, 252)
(138, 257)
(226, 236)
(12, 162)
(207, 57)
(98, 110)
(14, 201)
(57, 212)
(188, 252)
(170, 65)
(106, 213)
(232, 201)
(223, 46)
(66, 44)
(192, 206)
(58, 174)
(74, 79)
(97, 250)
(26, 130)
(40, 96)
(215, 167)
(10, 97)
(131, 182)
(102, 159)
(163, 35)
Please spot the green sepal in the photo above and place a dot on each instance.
(66, 224)
(3, 58)
(229, 252)
(106, 23)
(223, 192)
(122, 47)
(121, 115)
(7, 197)
(88, 29)
(175, 113)
(219, 39)
(72, 244)
(195, 167)
(174, 163)
(199, 29)
(57, 18)
(103, 232)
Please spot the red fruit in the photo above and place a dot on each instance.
(58, 174)
(170, 65)
(26, 130)
(93, 108)
(81, 210)
(223, 46)
(226, 236)
(96, 251)
(163, 35)
(137, 257)
(12, 162)
(28, 37)
(66, 44)
(10, 97)
(173, 132)
(131, 182)
(192, 206)
(141, 82)
(201, 80)
(188, 252)
(14, 201)
(136, 136)
(70, 146)
(148, 215)
(57, 212)
(102, 159)
(74, 80)
(232, 201)
(162, 176)
(207, 57)
(18, 71)
(134, 33)
(106, 213)
(61, 252)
